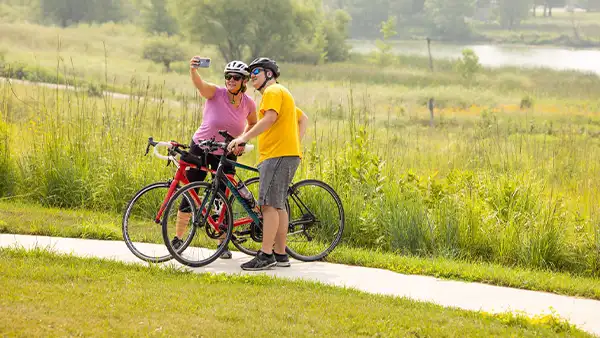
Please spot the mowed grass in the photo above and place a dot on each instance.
(57, 295)
(36, 220)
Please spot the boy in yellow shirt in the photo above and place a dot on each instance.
(280, 129)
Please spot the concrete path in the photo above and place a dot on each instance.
(584, 313)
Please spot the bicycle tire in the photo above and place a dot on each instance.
(293, 204)
(126, 224)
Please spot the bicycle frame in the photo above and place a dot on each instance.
(231, 184)
(181, 178)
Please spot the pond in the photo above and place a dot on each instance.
(586, 60)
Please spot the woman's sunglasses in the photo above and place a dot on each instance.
(236, 77)
(256, 71)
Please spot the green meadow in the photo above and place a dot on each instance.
(505, 173)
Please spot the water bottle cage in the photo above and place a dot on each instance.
(246, 195)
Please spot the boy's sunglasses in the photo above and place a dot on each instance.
(256, 71)
(236, 77)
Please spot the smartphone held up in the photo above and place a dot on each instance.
(200, 62)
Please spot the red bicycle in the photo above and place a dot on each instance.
(141, 225)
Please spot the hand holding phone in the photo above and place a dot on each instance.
(200, 62)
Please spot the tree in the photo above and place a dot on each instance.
(165, 50)
(512, 12)
(269, 32)
(156, 18)
(258, 25)
(277, 28)
(209, 22)
(68, 12)
(388, 29)
(536, 4)
(336, 33)
(63, 12)
(367, 16)
(447, 17)
(104, 11)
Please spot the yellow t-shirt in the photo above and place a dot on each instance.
(282, 138)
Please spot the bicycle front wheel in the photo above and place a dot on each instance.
(198, 212)
(140, 228)
(316, 218)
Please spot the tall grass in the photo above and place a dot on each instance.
(498, 188)
(7, 170)
(502, 187)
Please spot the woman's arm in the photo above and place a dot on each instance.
(251, 121)
(302, 122)
(206, 89)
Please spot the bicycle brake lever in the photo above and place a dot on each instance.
(147, 149)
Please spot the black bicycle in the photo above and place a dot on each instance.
(315, 211)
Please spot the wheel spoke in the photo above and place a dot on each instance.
(184, 215)
(316, 220)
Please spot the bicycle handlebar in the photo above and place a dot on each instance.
(213, 145)
(172, 146)
(210, 145)
(159, 155)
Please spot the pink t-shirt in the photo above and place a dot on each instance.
(220, 114)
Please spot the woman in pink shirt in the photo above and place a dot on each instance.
(226, 108)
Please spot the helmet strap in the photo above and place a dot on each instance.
(267, 79)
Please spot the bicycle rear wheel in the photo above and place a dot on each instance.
(207, 210)
(141, 232)
(316, 220)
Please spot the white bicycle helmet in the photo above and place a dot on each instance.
(237, 67)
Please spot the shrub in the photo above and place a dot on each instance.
(468, 66)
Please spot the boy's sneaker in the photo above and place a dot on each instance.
(262, 261)
(176, 243)
(282, 260)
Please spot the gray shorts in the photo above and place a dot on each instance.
(276, 174)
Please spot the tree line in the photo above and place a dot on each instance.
(446, 19)
(310, 31)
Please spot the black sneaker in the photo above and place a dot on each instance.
(262, 261)
(226, 254)
(282, 260)
(176, 243)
